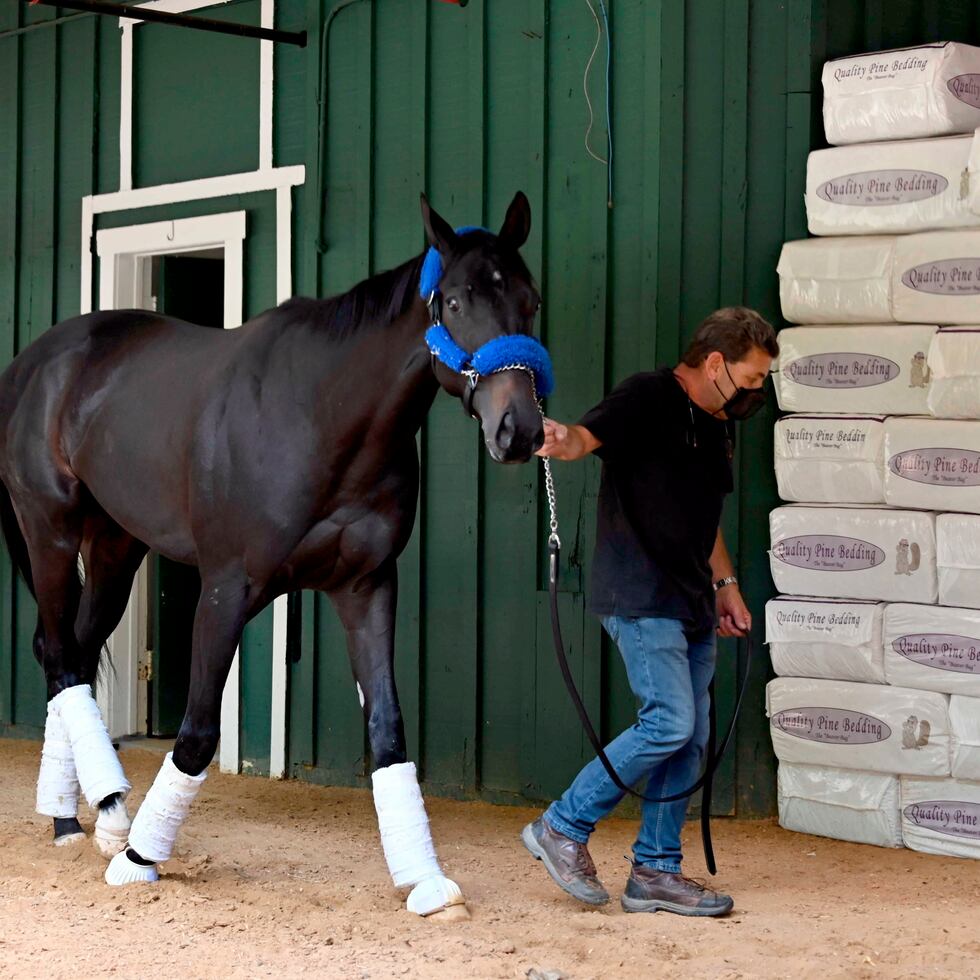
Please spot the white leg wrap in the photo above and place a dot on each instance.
(407, 842)
(57, 781)
(404, 826)
(99, 770)
(165, 808)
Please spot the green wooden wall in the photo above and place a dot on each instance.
(714, 105)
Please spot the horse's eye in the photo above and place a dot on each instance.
(537, 309)
(453, 304)
(497, 277)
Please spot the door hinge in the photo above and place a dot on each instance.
(145, 671)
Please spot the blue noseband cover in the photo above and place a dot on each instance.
(504, 351)
(507, 350)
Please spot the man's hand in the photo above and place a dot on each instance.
(555, 438)
(734, 618)
(567, 441)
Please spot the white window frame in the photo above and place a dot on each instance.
(126, 71)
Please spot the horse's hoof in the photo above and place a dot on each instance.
(122, 871)
(438, 897)
(452, 913)
(112, 830)
(73, 838)
(67, 830)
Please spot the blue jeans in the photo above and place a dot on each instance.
(669, 671)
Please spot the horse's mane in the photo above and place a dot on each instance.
(375, 301)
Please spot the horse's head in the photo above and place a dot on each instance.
(486, 292)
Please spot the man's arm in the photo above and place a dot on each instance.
(567, 442)
(734, 618)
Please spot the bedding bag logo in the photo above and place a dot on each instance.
(938, 467)
(955, 818)
(828, 553)
(874, 188)
(966, 88)
(842, 370)
(944, 651)
(945, 277)
(837, 726)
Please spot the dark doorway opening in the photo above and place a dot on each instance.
(189, 287)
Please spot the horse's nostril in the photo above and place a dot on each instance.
(505, 432)
(538, 441)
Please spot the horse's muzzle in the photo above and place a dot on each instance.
(515, 443)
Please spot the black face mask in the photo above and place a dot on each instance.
(744, 403)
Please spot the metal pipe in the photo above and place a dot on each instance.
(179, 20)
(14, 31)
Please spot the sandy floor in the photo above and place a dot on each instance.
(288, 880)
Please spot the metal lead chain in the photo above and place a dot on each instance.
(549, 486)
(549, 482)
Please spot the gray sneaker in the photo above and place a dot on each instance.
(650, 890)
(567, 861)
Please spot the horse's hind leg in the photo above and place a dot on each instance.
(368, 616)
(111, 558)
(52, 524)
(221, 613)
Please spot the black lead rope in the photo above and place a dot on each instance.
(713, 758)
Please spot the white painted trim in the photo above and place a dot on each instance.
(280, 607)
(280, 669)
(284, 244)
(126, 106)
(279, 179)
(266, 68)
(182, 235)
(177, 6)
(198, 190)
(85, 265)
(126, 85)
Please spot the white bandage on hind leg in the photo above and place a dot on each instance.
(407, 842)
(100, 772)
(162, 812)
(57, 781)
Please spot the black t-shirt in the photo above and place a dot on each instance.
(666, 470)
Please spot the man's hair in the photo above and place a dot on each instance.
(733, 331)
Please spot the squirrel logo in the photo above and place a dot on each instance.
(908, 557)
(912, 738)
(920, 375)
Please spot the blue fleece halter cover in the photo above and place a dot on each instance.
(505, 351)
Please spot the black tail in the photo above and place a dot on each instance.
(16, 544)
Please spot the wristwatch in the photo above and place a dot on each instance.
(727, 580)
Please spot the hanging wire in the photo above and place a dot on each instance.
(607, 160)
(609, 139)
(585, 83)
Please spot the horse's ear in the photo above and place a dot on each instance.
(517, 223)
(437, 229)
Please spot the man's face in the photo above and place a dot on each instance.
(750, 372)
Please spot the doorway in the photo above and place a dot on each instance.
(190, 269)
(189, 287)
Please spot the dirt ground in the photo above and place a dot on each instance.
(288, 880)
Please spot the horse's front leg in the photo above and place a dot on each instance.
(218, 623)
(368, 616)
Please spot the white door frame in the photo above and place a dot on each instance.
(123, 283)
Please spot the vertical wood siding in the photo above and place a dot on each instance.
(714, 106)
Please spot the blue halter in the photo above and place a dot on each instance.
(502, 353)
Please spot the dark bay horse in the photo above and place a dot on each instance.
(275, 457)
